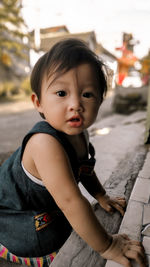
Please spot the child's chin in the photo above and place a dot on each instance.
(74, 131)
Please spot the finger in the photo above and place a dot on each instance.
(109, 209)
(133, 244)
(125, 237)
(118, 207)
(135, 247)
(139, 257)
(136, 243)
(121, 201)
(124, 262)
(121, 198)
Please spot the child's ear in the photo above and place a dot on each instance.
(36, 102)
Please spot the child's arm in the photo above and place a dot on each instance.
(54, 168)
(95, 188)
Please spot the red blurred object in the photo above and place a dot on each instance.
(128, 59)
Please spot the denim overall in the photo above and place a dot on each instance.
(31, 224)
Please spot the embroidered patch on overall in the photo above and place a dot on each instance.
(42, 220)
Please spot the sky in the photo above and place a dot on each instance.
(108, 18)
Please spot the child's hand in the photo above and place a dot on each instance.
(109, 204)
(123, 250)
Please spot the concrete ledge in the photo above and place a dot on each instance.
(132, 220)
(75, 252)
(4, 263)
(137, 213)
(141, 190)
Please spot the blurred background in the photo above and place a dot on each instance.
(118, 31)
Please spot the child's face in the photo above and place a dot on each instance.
(70, 102)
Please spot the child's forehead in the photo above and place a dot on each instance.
(82, 74)
(53, 75)
(59, 70)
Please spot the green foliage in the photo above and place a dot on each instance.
(11, 34)
(25, 86)
(9, 89)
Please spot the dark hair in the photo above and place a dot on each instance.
(63, 56)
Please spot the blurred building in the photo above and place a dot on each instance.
(41, 40)
(45, 38)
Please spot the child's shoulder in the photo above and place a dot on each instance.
(41, 133)
(41, 150)
(42, 127)
(42, 139)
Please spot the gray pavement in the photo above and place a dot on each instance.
(16, 119)
(122, 167)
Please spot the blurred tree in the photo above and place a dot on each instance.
(12, 33)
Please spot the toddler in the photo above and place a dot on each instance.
(40, 201)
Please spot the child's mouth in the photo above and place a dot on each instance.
(75, 121)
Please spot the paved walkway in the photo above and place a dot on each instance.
(16, 106)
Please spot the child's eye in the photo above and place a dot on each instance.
(88, 94)
(61, 93)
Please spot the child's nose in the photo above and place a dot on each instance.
(75, 104)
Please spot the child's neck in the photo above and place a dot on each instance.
(80, 145)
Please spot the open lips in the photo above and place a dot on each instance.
(75, 121)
